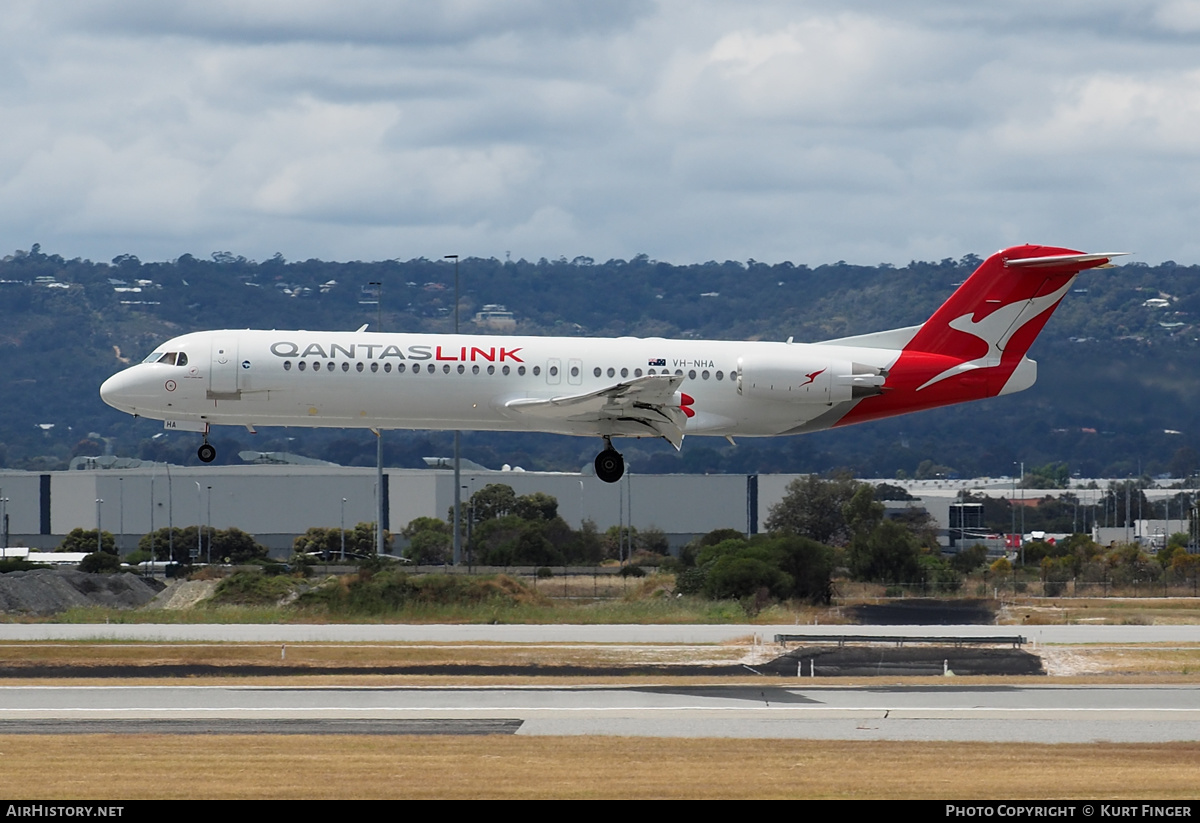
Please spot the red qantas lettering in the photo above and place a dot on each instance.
(510, 353)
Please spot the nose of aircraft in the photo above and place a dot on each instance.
(118, 391)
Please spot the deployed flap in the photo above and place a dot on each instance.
(649, 402)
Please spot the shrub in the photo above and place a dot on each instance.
(100, 563)
(251, 589)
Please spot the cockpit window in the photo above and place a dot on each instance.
(169, 358)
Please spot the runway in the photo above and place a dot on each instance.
(560, 633)
(1035, 714)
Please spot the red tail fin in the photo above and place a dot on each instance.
(974, 345)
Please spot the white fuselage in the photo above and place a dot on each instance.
(469, 382)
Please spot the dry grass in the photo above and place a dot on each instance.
(1102, 611)
(509, 767)
(1145, 663)
(14, 656)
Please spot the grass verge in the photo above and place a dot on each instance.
(53, 767)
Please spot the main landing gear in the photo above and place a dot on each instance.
(610, 466)
(207, 452)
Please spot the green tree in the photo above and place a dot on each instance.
(814, 508)
(969, 559)
(233, 545)
(84, 540)
(888, 553)
(429, 540)
(536, 506)
(492, 501)
(801, 568)
(100, 563)
(1049, 476)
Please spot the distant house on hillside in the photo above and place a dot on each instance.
(495, 316)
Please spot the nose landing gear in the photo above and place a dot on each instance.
(610, 466)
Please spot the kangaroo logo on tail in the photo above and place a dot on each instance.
(974, 345)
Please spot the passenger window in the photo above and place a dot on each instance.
(624, 372)
(611, 371)
(537, 370)
(596, 371)
(287, 365)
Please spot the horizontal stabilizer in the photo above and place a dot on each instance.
(1063, 259)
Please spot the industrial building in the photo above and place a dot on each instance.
(275, 502)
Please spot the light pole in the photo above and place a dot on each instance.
(4, 517)
(199, 520)
(457, 557)
(170, 517)
(208, 522)
(99, 544)
(1022, 512)
(153, 474)
(378, 284)
(343, 557)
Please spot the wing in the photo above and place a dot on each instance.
(651, 404)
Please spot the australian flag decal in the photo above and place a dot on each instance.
(657, 361)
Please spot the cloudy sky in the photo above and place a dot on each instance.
(806, 131)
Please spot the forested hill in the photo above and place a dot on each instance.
(1118, 389)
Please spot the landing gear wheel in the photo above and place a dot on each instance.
(207, 453)
(610, 466)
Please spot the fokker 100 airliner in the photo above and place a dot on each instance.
(972, 347)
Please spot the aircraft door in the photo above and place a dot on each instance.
(575, 372)
(223, 377)
(553, 371)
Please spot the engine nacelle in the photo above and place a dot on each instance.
(778, 376)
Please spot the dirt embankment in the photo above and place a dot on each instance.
(48, 591)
